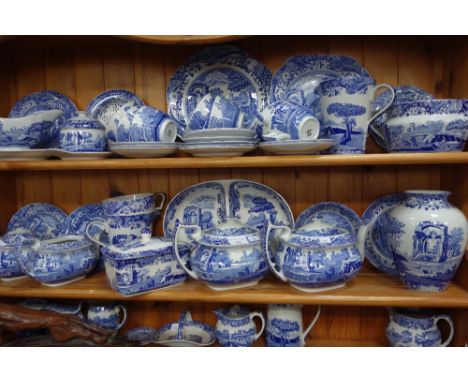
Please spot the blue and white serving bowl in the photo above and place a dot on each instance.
(59, 261)
(424, 126)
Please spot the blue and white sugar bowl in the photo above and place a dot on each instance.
(417, 327)
(236, 327)
(226, 256)
(142, 265)
(312, 258)
(82, 133)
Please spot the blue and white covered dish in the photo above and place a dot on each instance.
(143, 265)
(226, 256)
(313, 258)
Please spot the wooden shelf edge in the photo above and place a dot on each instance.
(368, 289)
(183, 39)
(240, 162)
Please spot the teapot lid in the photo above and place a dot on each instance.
(144, 247)
(231, 232)
(312, 237)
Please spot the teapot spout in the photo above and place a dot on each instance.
(218, 313)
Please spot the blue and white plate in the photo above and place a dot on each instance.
(220, 70)
(17, 154)
(297, 79)
(80, 155)
(44, 220)
(208, 204)
(374, 219)
(78, 220)
(297, 147)
(42, 101)
(104, 105)
(143, 149)
(331, 214)
(218, 149)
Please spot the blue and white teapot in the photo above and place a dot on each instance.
(315, 257)
(227, 256)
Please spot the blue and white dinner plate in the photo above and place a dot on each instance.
(44, 220)
(42, 101)
(297, 79)
(330, 214)
(104, 105)
(376, 246)
(80, 155)
(218, 149)
(221, 70)
(78, 220)
(143, 149)
(208, 204)
(297, 147)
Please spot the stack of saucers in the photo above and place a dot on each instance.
(134, 130)
(218, 128)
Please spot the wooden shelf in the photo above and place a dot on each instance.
(369, 288)
(240, 162)
(183, 39)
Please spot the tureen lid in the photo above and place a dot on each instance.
(144, 247)
(231, 232)
(321, 237)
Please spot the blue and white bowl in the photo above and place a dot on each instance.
(31, 131)
(58, 261)
(424, 126)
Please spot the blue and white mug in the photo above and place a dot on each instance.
(152, 125)
(284, 120)
(347, 107)
(215, 112)
(410, 327)
(108, 316)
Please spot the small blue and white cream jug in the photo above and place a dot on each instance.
(284, 326)
(236, 327)
(413, 327)
(107, 315)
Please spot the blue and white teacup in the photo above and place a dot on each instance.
(347, 105)
(80, 133)
(414, 327)
(107, 316)
(284, 120)
(215, 112)
(118, 128)
(132, 203)
(152, 125)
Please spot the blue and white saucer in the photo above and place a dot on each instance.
(296, 147)
(80, 155)
(376, 246)
(44, 220)
(143, 149)
(222, 70)
(104, 105)
(218, 149)
(17, 154)
(42, 101)
(78, 220)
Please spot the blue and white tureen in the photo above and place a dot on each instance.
(226, 256)
(142, 265)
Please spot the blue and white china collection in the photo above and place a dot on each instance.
(417, 327)
(284, 327)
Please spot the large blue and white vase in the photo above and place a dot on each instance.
(428, 236)
(411, 327)
(236, 327)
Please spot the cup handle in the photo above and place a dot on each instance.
(262, 319)
(102, 225)
(176, 247)
(163, 199)
(380, 112)
(312, 324)
(279, 273)
(445, 317)
(123, 309)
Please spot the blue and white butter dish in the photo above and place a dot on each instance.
(142, 265)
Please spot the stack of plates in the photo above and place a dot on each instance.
(226, 142)
(143, 149)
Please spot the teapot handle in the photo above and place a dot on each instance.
(311, 325)
(279, 273)
(176, 247)
(380, 112)
(101, 223)
(262, 319)
(123, 309)
(163, 199)
(452, 328)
